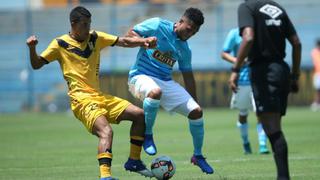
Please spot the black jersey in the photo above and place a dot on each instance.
(271, 26)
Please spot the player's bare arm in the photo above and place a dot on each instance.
(190, 84)
(36, 61)
(296, 60)
(296, 54)
(228, 57)
(149, 42)
(132, 33)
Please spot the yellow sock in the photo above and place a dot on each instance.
(135, 147)
(105, 164)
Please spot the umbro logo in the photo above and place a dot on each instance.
(270, 10)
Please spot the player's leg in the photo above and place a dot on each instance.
(243, 125)
(272, 125)
(315, 106)
(136, 116)
(194, 113)
(270, 87)
(242, 101)
(103, 131)
(91, 113)
(262, 137)
(175, 98)
(151, 106)
(144, 88)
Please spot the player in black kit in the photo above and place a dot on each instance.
(264, 26)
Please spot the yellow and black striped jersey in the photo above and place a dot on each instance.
(79, 61)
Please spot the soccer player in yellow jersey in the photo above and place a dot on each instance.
(78, 54)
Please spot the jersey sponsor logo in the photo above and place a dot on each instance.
(270, 10)
(164, 57)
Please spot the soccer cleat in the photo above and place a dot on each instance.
(138, 167)
(148, 145)
(108, 178)
(247, 148)
(263, 149)
(200, 161)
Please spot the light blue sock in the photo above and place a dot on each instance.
(243, 132)
(150, 107)
(261, 135)
(197, 132)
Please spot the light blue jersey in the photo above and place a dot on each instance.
(170, 49)
(232, 45)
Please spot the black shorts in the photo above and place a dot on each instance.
(270, 86)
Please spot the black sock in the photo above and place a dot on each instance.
(280, 153)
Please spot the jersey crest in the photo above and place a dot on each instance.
(83, 53)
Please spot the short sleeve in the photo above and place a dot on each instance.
(105, 39)
(290, 30)
(185, 62)
(52, 52)
(147, 27)
(229, 42)
(245, 17)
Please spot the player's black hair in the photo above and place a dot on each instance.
(318, 42)
(78, 12)
(195, 15)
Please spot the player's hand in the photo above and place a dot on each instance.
(294, 86)
(233, 81)
(151, 42)
(32, 41)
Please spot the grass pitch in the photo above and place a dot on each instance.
(57, 147)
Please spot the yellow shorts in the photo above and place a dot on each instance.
(88, 109)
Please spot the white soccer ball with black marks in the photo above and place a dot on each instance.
(163, 167)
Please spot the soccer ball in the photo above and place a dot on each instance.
(163, 167)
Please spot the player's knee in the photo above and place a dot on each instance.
(196, 113)
(105, 132)
(139, 116)
(155, 93)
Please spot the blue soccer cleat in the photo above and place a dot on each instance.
(247, 148)
(200, 161)
(148, 145)
(108, 178)
(263, 149)
(138, 167)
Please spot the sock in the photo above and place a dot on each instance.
(280, 154)
(150, 107)
(105, 164)
(197, 132)
(243, 132)
(261, 135)
(135, 147)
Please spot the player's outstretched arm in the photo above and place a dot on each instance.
(149, 42)
(36, 61)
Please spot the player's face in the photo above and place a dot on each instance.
(82, 28)
(185, 28)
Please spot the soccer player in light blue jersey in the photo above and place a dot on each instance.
(243, 99)
(150, 77)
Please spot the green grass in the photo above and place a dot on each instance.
(57, 146)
